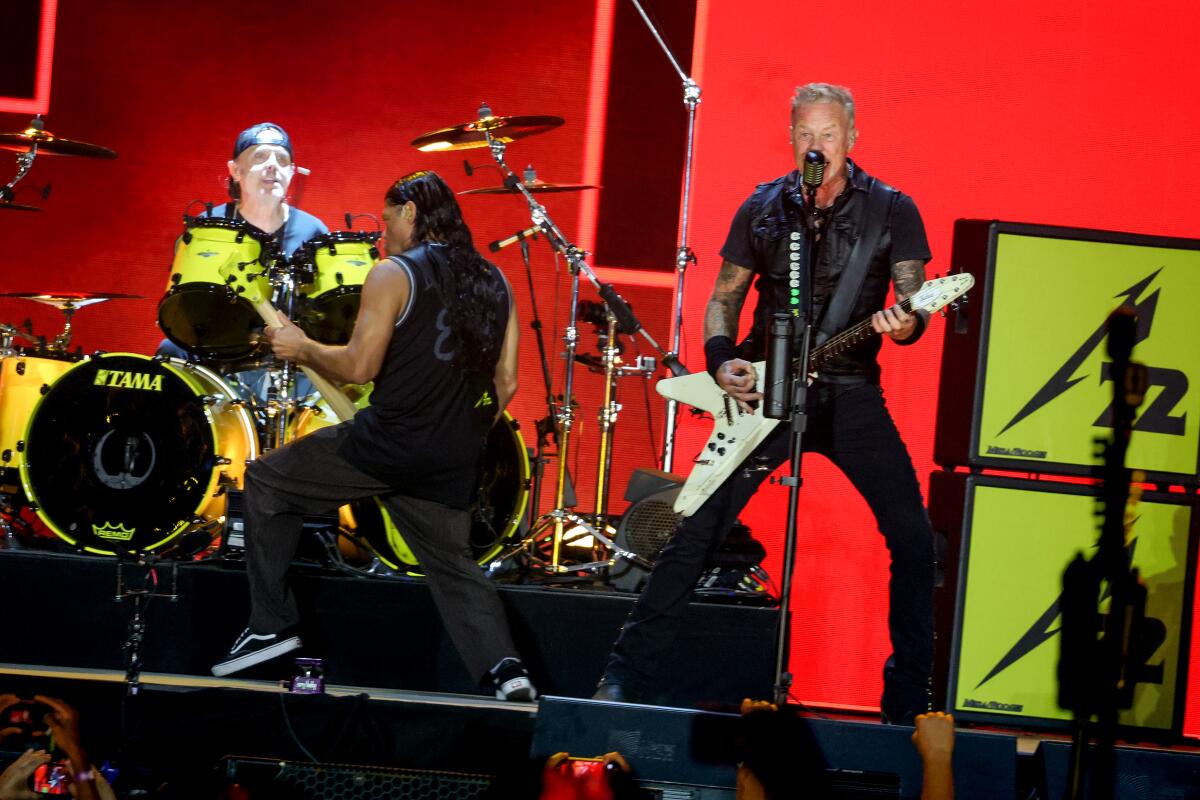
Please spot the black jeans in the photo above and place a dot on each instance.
(308, 476)
(851, 426)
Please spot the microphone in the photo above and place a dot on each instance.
(349, 220)
(777, 383)
(814, 170)
(500, 244)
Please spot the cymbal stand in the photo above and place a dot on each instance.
(281, 402)
(24, 163)
(576, 259)
(684, 255)
(536, 325)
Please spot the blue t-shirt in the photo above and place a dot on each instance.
(299, 228)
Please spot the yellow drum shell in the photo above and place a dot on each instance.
(23, 381)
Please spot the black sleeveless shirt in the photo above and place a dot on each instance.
(424, 430)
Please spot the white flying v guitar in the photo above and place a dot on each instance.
(736, 432)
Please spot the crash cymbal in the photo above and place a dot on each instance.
(49, 144)
(17, 207)
(536, 187)
(71, 300)
(473, 134)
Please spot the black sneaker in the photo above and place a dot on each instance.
(254, 648)
(511, 680)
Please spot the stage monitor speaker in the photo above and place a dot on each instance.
(1141, 773)
(697, 749)
(646, 525)
(265, 777)
(1016, 538)
(1025, 381)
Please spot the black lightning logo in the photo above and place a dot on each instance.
(1040, 631)
(1062, 380)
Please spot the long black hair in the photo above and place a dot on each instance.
(469, 286)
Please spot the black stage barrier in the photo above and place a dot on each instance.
(373, 632)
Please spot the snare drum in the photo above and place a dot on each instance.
(199, 311)
(338, 263)
(125, 452)
(502, 497)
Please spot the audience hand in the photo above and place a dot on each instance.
(934, 736)
(14, 781)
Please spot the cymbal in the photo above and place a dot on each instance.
(70, 300)
(49, 144)
(536, 187)
(18, 207)
(472, 134)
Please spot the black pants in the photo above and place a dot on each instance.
(851, 426)
(308, 476)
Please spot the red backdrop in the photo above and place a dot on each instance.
(1074, 114)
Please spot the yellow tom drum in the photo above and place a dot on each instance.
(337, 265)
(23, 381)
(503, 495)
(199, 312)
(126, 452)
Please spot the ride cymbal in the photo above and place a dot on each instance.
(49, 144)
(535, 187)
(65, 300)
(474, 134)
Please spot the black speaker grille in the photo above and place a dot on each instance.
(349, 782)
(648, 525)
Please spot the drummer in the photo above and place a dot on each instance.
(260, 173)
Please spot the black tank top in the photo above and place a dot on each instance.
(424, 430)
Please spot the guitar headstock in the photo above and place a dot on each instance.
(247, 280)
(937, 293)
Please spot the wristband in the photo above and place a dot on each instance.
(916, 334)
(717, 350)
(85, 776)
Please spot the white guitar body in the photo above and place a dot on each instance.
(736, 433)
(734, 436)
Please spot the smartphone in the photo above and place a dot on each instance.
(52, 778)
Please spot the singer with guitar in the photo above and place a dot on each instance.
(868, 236)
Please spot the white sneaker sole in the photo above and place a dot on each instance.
(257, 657)
(518, 690)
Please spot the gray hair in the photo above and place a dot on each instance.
(824, 93)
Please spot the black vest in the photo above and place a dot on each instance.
(425, 427)
(781, 241)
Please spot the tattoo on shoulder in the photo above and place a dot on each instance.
(907, 277)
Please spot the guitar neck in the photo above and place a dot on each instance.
(851, 337)
(342, 406)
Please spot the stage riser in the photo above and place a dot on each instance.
(371, 632)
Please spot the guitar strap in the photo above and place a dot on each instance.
(880, 197)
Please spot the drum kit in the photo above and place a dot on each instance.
(120, 453)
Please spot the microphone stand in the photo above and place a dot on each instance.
(539, 461)
(684, 255)
(797, 412)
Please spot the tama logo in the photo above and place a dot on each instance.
(129, 380)
(118, 532)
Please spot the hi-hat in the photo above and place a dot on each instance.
(71, 300)
(535, 187)
(49, 144)
(474, 134)
(17, 207)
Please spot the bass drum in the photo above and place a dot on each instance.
(503, 496)
(125, 452)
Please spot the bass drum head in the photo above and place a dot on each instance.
(120, 454)
(500, 505)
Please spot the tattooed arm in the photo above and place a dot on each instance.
(735, 376)
(907, 277)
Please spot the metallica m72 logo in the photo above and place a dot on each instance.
(1048, 385)
(1158, 416)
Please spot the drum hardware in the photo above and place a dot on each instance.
(140, 591)
(533, 185)
(627, 322)
(34, 140)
